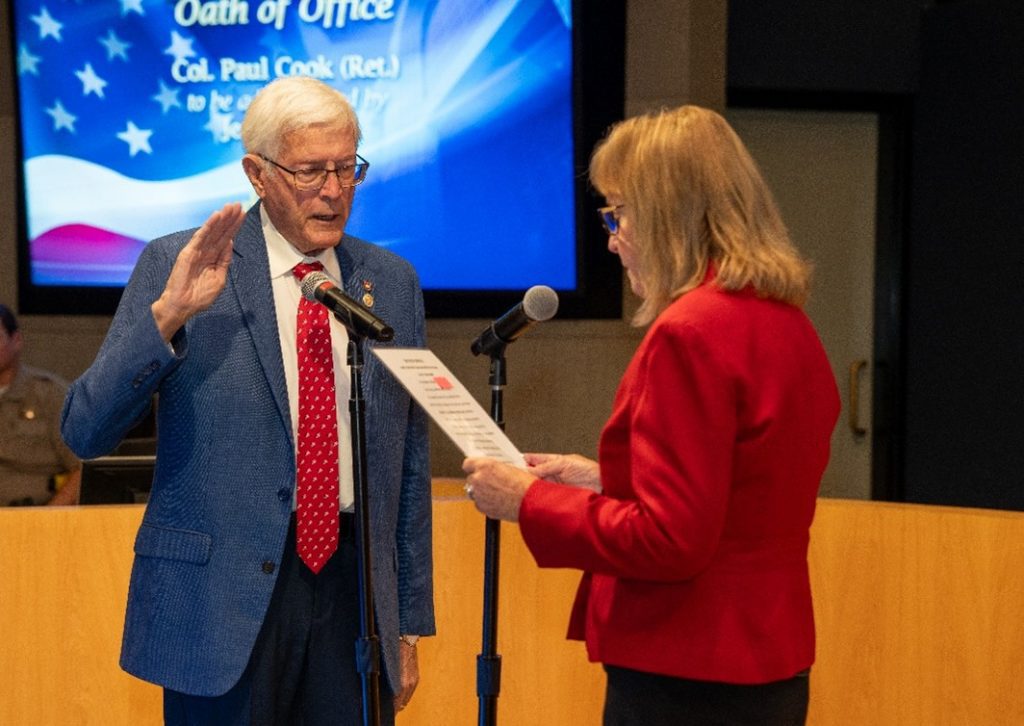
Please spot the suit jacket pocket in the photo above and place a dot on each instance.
(173, 544)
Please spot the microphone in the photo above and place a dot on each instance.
(540, 303)
(318, 287)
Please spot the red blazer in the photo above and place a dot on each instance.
(695, 556)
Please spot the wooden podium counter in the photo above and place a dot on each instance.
(920, 621)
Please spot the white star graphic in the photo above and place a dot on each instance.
(91, 83)
(131, 6)
(219, 126)
(167, 97)
(116, 48)
(180, 48)
(136, 138)
(61, 118)
(27, 63)
(47, 25)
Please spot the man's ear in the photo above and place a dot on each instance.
(255, 170)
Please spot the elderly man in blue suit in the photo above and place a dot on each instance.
(223, 612)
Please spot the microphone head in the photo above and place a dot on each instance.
(540, 303)
(311, 282)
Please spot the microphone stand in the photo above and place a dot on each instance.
(488, 663)
(368, 645)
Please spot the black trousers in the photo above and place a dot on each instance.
(302, 671)
(634, 698)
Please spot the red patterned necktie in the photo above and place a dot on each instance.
(317, 459)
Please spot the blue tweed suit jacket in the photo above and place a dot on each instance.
(225, 472)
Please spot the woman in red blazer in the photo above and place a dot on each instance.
(692, 527)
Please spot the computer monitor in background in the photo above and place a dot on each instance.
(478, 119)
(125, 475)
(117, 479)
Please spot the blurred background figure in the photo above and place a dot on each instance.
(35, 465)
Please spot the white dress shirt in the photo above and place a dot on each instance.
(287, 293)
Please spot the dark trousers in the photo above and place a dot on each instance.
(634, 698)
(302, 671)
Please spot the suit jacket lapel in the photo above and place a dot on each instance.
(356, 279)
(250, 279)
(349, 268)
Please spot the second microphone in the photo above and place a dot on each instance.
(540, 303)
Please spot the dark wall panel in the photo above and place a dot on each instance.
(953, 239)
(965, 299)
(861, 46)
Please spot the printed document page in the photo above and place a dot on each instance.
(447, 401)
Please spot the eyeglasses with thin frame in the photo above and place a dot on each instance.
(350, 173)
(610, 218)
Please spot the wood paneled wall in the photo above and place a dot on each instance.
(918, 612)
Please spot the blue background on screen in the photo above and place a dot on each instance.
(467, 126)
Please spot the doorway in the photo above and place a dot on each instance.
(822, 167)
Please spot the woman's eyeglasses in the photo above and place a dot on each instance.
(610, 218)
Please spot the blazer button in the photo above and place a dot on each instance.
(284, 494)
(268, 567)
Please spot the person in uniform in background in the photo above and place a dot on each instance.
(36, 467)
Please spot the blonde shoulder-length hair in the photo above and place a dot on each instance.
(694, 196)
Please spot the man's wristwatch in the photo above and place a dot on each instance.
(409, 640)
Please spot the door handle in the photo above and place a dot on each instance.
(855, 368)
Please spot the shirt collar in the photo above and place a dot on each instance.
(282, 256)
